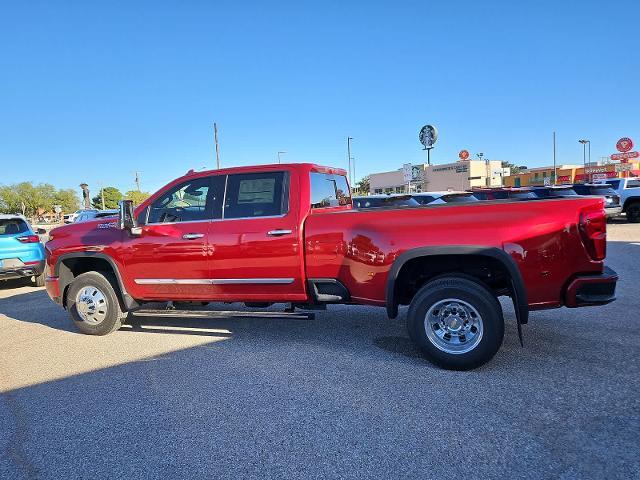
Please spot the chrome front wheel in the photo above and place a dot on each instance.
(92, 305)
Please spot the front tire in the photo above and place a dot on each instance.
(633, 213)
(93, 304)
(456, 322)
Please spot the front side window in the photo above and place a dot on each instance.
(633, 184)
(251, 195)
(328, 190)
(190, 201)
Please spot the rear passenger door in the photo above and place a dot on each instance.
(256, 249)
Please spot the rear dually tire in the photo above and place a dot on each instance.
(457, 323)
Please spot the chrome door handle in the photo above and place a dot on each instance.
(192, 236)
(278, 233)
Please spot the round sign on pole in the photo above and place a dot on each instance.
(464, 154)
(624, 144)
(428, 136)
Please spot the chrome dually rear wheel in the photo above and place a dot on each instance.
(454, 326)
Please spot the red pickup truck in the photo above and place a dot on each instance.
(289, 234)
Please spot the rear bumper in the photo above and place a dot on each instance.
(586, 290)
(30, 269)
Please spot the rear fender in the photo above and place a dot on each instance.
(518, 291)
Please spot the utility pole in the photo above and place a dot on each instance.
(555, 171)
(280, 153)
(215, 139)
(138, 180)
(584, 157)
(349, 157)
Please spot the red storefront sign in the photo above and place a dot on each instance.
(580, 177)
(564, 179)
(625, 156)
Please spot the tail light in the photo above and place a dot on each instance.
(593, 229)
(29, 239)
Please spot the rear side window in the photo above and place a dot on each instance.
(13, 226)
(614, 183)
(251, 195)
(329, 190)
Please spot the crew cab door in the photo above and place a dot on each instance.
(170, 259)
(256, 248)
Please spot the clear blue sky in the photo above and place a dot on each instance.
(91, 91)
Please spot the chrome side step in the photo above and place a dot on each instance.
(221, 314)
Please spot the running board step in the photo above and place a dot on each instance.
(222, 314)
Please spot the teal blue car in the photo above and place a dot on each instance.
(21, 251)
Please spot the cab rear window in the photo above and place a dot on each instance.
(13, 226)
(328, 190)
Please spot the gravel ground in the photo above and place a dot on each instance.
(341, 396)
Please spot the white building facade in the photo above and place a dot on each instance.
(461, 175)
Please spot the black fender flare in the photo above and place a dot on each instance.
(65, 280)
(518, 291)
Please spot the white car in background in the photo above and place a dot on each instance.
(71, 217)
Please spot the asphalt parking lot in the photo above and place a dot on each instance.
(341, 396)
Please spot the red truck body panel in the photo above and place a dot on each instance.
(359, 247)
(356, 247)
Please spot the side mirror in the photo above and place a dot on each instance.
(41, 231)
(126, 218)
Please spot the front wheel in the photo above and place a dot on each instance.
(93, 304)
(633, 213)
(456, 322)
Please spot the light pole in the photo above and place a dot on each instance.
(280, 153)
(349, 157)
(584, 156)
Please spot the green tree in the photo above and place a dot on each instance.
(136, 196)
(111, 198)
(67, 199)
(363, 185)
(514, 168)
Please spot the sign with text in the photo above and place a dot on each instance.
(625, 155)
(407, 172)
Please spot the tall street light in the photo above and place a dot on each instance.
(280, 153)
(349, 157)
(584, 156)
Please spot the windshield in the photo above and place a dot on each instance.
(423, 199)
(459, 198)
(602, 191)
(521, 195)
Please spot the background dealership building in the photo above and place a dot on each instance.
(460, 175)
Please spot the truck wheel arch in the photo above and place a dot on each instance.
(517, 288)
(66, 275)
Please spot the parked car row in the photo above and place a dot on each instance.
(614, 206)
